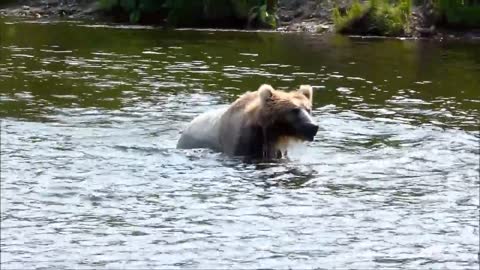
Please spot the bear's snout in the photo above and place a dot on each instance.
(309, 130)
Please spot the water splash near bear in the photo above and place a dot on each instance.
(288, 145)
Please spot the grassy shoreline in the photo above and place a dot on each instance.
(395, 18)
(402, 18)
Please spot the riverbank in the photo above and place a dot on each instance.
(53, 10)
(309, 16)
(294, 16)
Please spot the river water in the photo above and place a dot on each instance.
(90, 177)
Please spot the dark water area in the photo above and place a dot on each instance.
(90, 177)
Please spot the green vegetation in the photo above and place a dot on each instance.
(345, 22)
(460, 13)
(392, 17)
(375, 17)
(240, 13)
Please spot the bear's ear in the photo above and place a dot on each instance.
(307, 91)
(265, 91)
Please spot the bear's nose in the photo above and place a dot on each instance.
(309, 131)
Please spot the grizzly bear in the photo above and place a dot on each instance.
(258, 124)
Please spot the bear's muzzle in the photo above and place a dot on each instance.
(308, 131)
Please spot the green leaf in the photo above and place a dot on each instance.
(135, 16)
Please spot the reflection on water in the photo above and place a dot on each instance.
(90, 176)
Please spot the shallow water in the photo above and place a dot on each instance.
(90, 177)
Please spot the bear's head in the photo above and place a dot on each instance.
(285, 116)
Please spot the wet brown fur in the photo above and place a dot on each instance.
(279, 102)
(257, 114)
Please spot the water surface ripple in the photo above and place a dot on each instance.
(90, 177)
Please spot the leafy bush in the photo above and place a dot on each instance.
(377, 17)
(345, 21)
(462, 13)
(260, 13)
(390, 19)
